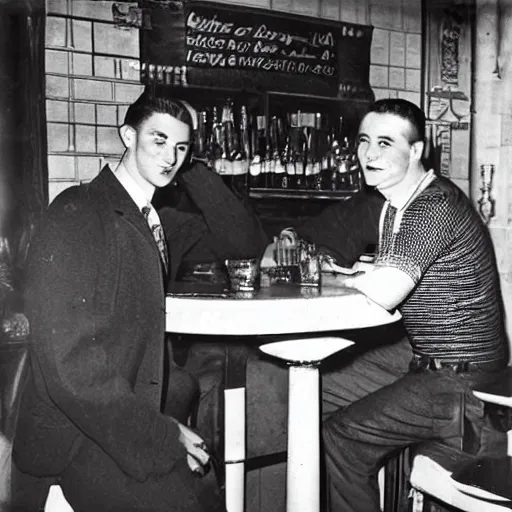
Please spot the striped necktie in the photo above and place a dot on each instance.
(158, 234)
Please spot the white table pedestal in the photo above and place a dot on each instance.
(303, 470)
(303, 476)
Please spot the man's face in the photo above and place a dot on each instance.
(384, 149)
(156, 150)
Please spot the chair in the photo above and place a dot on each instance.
(451, 477)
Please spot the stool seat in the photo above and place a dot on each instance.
(430, 477)
(306, 351)
(303, 460)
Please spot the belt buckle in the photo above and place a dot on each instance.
(435, 364)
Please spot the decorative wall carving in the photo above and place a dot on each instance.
(450, 35)
(486, 203)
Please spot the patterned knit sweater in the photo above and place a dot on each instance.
(439, 240)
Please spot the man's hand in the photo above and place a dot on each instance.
(198, 458)
(360, 267)
(268, 261)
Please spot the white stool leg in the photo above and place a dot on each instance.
(56, 502)
(303, 472)
(234, 448)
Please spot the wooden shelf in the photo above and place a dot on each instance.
(335, 99)
(277, 193)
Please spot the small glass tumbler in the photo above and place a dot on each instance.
(244, 274)
(310, 270)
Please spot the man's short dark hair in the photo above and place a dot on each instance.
(406, 110)
(149, 103)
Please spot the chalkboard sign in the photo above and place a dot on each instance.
(212, 44)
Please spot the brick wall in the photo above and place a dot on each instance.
(91, 72)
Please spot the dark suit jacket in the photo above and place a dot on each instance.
(208, 223)
(95, 301)
(348, 228)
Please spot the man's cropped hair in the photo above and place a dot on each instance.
(406, 110)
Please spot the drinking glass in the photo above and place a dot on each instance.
(244, 274)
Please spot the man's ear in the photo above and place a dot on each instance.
(128, 135)
(417, 149)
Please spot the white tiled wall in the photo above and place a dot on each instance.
(86, 94)
(91, 92)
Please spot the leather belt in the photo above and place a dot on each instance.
(421, 363)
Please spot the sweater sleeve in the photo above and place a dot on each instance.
(235, 230)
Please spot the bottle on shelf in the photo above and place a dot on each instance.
(227, 129)
(201, 152)
(293, 151)
(326, 139)
(240, 154)
(300, 155)
(267, 167)
(217, 142)
(343, 166)
(334, 158)
(278, 170)
(256, 167)
(356, 174)
(317, 153)
(286, 162)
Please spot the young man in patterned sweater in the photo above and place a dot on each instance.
(435, 264)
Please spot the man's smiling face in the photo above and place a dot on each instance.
(384, 149)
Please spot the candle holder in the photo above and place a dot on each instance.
(486, 204)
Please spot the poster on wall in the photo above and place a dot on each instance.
(219, 45)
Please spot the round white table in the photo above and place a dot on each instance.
(278, 309)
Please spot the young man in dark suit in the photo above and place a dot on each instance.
(90, 416)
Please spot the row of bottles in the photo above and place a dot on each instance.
(297, 151)
(223, 143)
